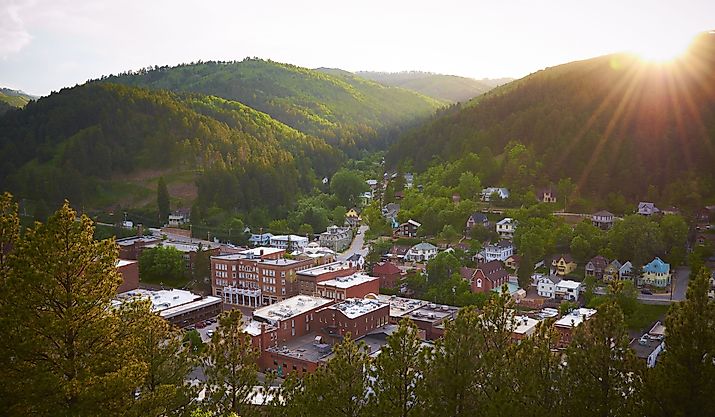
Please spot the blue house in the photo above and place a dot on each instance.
(656, 273)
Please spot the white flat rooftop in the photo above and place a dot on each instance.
(324, 269)
(348, 281)
(253, 327)
(400, 306)
(356, 307)
(290, 307)
(293, 238)
(168, 303)
(575, 318)
(568, 284)
(266, 251)
(525, 325)
(124, 262)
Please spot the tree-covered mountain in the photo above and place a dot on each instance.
(84, 142)
(342, 109)
(449, 88)
(612, 124)
(12, 99)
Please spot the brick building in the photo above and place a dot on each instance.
(129, 270)
(293, 317)
(130, 247)
(485, 277)
(389, 274)
(309, 278)
(431, 318)
(357, 285)
(566, 325)
(357, 316)
(256, 277)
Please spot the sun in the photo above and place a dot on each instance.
(662, 47)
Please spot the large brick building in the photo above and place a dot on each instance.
(309, 278)
(357, 316)
(356, 285)
(256, 277)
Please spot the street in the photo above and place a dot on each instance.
(356, 246)
(680, 286)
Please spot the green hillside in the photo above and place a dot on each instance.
(449, 88)
(106, 143)
(611, 124)
(342, 109)
(13, 98)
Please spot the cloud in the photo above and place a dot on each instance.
(13, 33)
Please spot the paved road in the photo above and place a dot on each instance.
(357, 246)
(680, 286)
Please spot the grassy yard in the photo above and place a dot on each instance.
(645, 315)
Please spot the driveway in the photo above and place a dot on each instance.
(357, 245)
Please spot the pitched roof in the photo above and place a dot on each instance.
(424, 246)
(467, 273)
(399, 249)
(567, 258)
(657, 266)
(553, 278)
(414, 223)
(598, 262)
(493, 270)
(385, 268)
(603, 213)
(479, 217)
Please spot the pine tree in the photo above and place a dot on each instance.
(70, 355)
(9, 231)
(538, 390)
(602, 376)
(683, 381)
(230, 366)
(337, 389)
(162, 200)
(397, 374)
(163, 390)
(451, 378)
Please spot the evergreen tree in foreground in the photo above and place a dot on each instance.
(70, 354)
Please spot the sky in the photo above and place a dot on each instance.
(46, 45)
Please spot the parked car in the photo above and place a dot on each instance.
(200, 325)
(210, 333)
(646, 291)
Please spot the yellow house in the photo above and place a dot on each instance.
(563, 265)
(352, 213)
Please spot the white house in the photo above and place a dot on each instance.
(626, 271)
(263, 239)
(501, 251)
(506, 227)
(647, 209)
(552, 286)
(291, 242)
(177, 219)
(421, 252)
(488, 192)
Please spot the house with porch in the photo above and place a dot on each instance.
(596, 267)
(602, 219)
(563, 265)
(656, 273)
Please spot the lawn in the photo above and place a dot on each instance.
(645, 315)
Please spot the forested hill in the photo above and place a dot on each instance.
(342, 109)
(83, 142)
(13, 98)
(612, 123)
(450, 88)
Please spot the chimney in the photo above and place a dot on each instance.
(140, 229)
